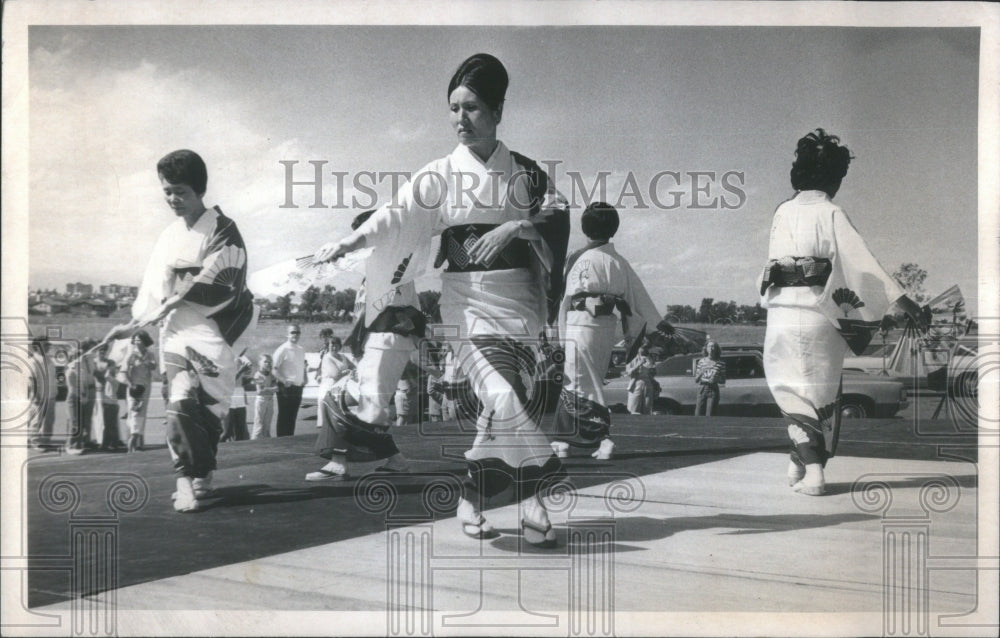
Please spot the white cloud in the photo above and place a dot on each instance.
(95, 201)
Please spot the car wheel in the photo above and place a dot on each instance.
(852, 409)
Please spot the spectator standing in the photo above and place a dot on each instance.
(710, 373)
(234, 426)
(44, 391)
(405, 390)
(290, 370)
(263, 407)
(333, 366)
(640, 389)
(448, 377)
(435, 391)
(106, 374)
(139, 367)
(80, 399)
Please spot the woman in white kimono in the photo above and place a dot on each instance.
(196, 283)
(599, 281)
(824, 292)
(504, 230)
(383, 346)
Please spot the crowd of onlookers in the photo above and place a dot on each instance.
(98, 381)
(96, 384)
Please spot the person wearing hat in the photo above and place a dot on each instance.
(504, 229)
(599, 284)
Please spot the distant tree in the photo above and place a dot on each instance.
(705, 310)
(723, 312)
(750, 314)
(911, 277)
(283, 305)
(309, 302)
(341, 303)
(682, 314)
(327, 302)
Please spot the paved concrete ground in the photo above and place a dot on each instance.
(692, 521)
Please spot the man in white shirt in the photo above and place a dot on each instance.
(290, 370)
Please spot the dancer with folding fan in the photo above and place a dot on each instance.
(824, 292)
(355, 416)
(504, 229)
(196, 283)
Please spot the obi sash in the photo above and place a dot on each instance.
(796, 271)
(456, 241)
(606, 306)
(402, 320)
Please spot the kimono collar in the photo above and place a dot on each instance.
(205, 223)
(466, 160)
(594, 243)
(811, 197)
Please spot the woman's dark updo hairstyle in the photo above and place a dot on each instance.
(599, 221)
(184, 167)
(820, 163)
(485, 76)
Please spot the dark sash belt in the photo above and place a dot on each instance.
(456, 241)
(606, 306)
(796, 271)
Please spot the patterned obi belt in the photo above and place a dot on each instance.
(457, 241)
(606, 304)
(796, 271)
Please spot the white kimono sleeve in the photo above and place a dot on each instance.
(156, 281)
(859, 291)
(644, 312)
(400, 235)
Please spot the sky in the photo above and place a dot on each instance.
(629, 102)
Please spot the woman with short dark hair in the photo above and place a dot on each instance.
(600, 283)
(196, 283)
(824, 292)
(504, 230)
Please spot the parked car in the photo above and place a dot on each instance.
(746, 392)
(960, 378)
